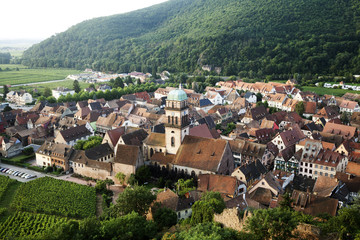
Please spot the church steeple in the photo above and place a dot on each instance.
(177, 119)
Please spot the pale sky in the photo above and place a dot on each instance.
(40, 19)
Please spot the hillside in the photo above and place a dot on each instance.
(256, 38)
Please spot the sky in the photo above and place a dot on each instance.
(40, 19)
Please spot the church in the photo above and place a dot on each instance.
(177, 150)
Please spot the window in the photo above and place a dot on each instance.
(172, 141)
(326, 174)
(321, 167)
(315, 172)
(321, 174)
(326, 168)
(316, 166)
(332, 169)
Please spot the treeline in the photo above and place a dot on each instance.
(248, 38)
(5, 58)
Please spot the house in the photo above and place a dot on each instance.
(154, 142)
(72, 135)
(127, 159)
(327, 163)
(306, 97)
(19, 97)
(250, 97)
(245, 152)
(347, 132)
(182, 206)
(275, 100)
(353, 168)
(57, 154)
(82, 113)
(240, 105)
(198, 155)
(268, 184)
(214, 97)
(115, 104)
(227, 186)
(113, 120)
(328, 113)
(112, 136)
(82, 165)
(312, 204)
(103, 87)
(288, 138)
(310, 109)
(62, 91)
(248, 173)
(132, 138)
(288, 160)
(95, 106)
(255, 114)
(349, 106)
(204, 104)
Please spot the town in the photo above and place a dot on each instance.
(250, 142)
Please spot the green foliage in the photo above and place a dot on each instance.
(210, 231)
(300, 108)
(28, 151)
(47, 92)
(93, 141)
(165, 217)
(121, 177)
(257, 38)
(51, 99)
(184, 186)
(5, 91)
(204, 209)
(100, 186)
(52, 196)
(137, 199)
(142, 174)
(23, 224)
(273, 223)
(131, 226)
(5, 182)
(76, 86)
(286, 203)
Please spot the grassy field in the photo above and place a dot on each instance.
(329, 91)
(20, 74)
(52, 85)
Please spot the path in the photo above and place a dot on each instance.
(35, 83)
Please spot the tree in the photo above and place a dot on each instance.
(184, 186)
(7, 109)
(90, 228)
(275, 223)
(76, 86)
(258, 97)
(210, 231)
(51, 99)
(142, 174)
(121, 177)
(300, 108)
(137, 199)
(100, 186)
(204, 209)
(164, 217)
(344, 118)
(5, 91)
(65, 230)
(286, 203)
(47, 92)
(118, 83)
(130, 226)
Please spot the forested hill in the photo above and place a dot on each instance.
(254, 37)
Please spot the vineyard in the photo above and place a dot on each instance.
(23, 224)
(4, 184)
(55, 197)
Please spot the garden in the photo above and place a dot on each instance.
(56, 197)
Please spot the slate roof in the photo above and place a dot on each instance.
(208, 120)
(98, 152)
(292, 136)
(159, 128)
(258, 113)
(253, 170)
(324, 186)
(205, 102)
(127, 154)
(135, 138)
(95, 106)
(75, 133)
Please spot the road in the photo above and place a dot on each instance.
(35, 83)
